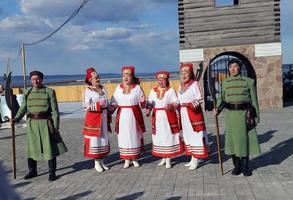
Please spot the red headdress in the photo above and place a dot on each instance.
(90, 74)
(187, 67)
(162, 74)
(128, 70)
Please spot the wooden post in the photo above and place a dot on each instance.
(23, 65)
(13, 141)
(8, 66)
(218, 141)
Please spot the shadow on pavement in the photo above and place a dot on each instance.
(131, 196)
(21, 184)
(9, 137)
(275, 156)
(263, 138)
(78, 196)
(174, 198)
(86, 164)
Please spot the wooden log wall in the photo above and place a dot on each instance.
(203, 25)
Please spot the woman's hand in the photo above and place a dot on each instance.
(112, 107)
(169, 107)
(142, 101)
(216, 112)
(103, 103)
(148, 112)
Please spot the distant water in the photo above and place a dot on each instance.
(17, 81)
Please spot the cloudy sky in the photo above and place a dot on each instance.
(106, 34)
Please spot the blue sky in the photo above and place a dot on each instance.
(106, 34)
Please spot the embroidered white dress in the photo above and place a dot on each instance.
(195, 142)
(165, 143)
(130, 136)
(96, 147)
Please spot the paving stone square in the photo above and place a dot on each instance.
(77, 179)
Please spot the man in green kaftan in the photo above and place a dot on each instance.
(43, 139)
(239, 99)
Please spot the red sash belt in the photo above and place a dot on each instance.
(172, 119)
(195, 116)
(137, 114)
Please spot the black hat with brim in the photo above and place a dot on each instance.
(38, 73)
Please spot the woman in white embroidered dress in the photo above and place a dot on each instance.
(129, 125)
(165, 127)
(192, 119)
(96, 124)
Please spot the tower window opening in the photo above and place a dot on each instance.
(223, 3)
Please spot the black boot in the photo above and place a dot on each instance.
(245, 166)
(237, 165)
(32, 169)
(52, 169)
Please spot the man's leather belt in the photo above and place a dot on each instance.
(41, 115)
(237, 106)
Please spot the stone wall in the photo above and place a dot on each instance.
(268, 70)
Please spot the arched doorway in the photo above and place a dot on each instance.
(219, 68)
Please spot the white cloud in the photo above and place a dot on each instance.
(110, 34)
(23, 23)
(163, 1)
(107, 33)
(99, 10)
(48, 9)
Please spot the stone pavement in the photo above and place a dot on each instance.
(272, 170)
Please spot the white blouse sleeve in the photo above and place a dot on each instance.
(199, 97)
(87, 100)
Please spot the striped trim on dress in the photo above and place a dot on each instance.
(197, 151)
(129, 153)
(167, 151)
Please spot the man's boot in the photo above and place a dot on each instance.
(52, 169)
(237, 165)
(245, 166)
(32, 169)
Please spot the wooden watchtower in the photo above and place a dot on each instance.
(248, 30)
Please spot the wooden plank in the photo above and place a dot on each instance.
(228, 26)
(234, 30)
(232, 23)
(193, 44)
(215, 12)
(198, 4)
(228, 35)
(210, 19)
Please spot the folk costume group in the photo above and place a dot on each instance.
(170, 113)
